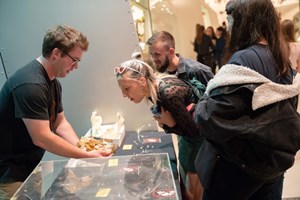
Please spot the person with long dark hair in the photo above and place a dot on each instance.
(248, 113)
(204, 46)
(220, 44)
(288, 30)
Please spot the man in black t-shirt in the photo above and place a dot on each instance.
(31, 112)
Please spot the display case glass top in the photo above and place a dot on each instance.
(141, 176)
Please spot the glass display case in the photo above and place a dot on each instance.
(141, 176)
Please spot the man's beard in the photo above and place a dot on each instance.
(164, 67)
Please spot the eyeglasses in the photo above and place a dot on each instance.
(121, 69)
(75, 61)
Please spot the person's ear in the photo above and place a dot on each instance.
(56, 53)
(143, 81)
(172, 51)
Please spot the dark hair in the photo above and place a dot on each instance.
(162, 36)
(213, 36)
(255, 20)
(199, 33)
(222, 30)
(64, 38)
(288, 30)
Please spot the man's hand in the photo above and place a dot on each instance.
(103, 152)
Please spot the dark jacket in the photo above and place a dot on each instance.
(250, 121)
(188, 69)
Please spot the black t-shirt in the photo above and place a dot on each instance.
(28, 93)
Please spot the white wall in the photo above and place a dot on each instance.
(288, 11)
(187, 13)
(110, 29)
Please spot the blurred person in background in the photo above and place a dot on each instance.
(211, 33)
(288, 30)
(220, 44)
(296, 20)
(204, 46)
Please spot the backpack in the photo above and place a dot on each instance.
(197, 87)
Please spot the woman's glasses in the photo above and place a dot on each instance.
(121, 69)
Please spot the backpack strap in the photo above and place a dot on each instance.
(197, 87)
